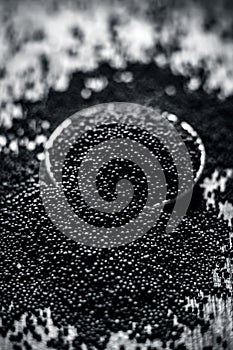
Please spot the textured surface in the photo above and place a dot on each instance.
(160, 291)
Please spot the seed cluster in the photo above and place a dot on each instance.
(144, 288)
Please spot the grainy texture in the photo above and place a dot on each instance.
(161, 291)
